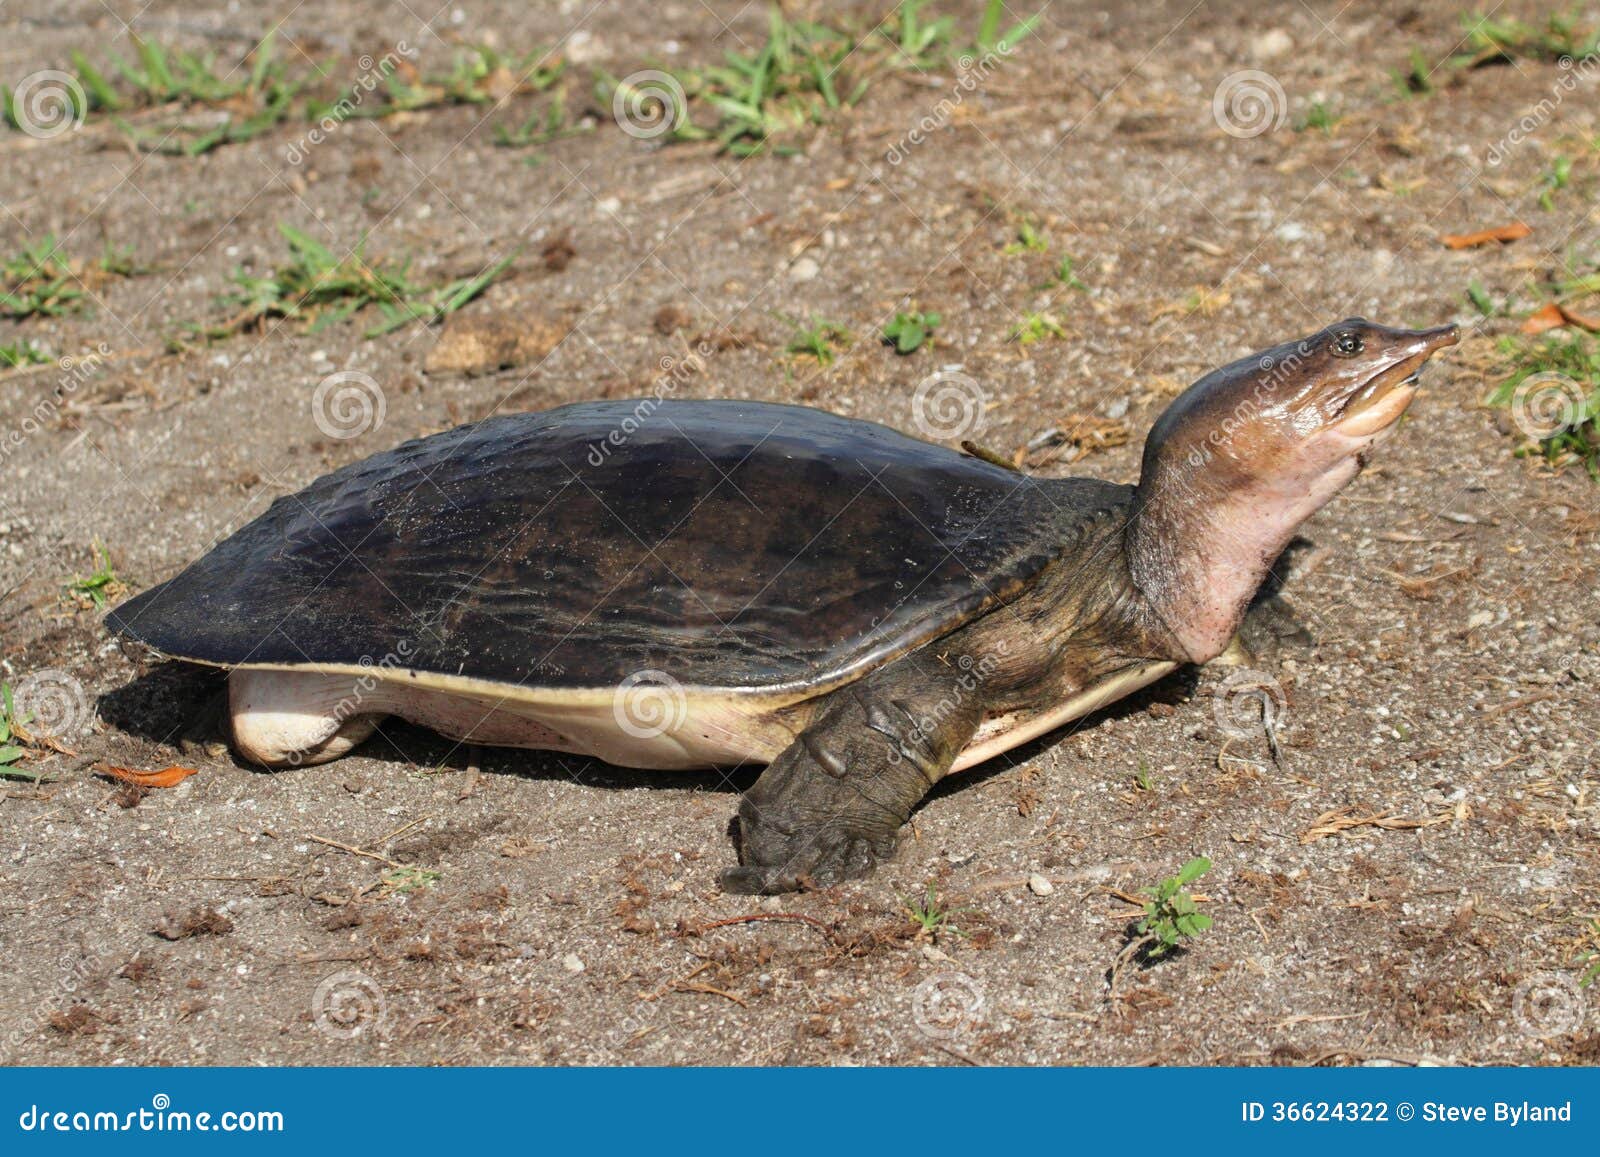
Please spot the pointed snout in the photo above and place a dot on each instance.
(1437, 338)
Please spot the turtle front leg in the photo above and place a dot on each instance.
(829, 807)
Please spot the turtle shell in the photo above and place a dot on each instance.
(743, 546)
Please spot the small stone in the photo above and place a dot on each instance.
(1291, 231)
(610, 205)
(804, 269)
(571, 962)
(1040, 886)
(1480, 619)
(1272, 43)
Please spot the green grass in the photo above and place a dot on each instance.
(1319, 116)
(1036, 327)
(908, 332)
(94, 588)
(930, 916)
(10, 750)
(820, 338)
(762, 99)
(1570, 423)
(266, 94)
(22, 353)
(320, 288)
(1029, 239)
(1417, 78)
(1489, 39)
(804, 73)
(39, 280)
(1591, 958)
(921, 42)
(1554, 180)
(990, 38)
(1561, 35)
(477, 75)
(1065, 275)
(540, 127)
(1480, 299)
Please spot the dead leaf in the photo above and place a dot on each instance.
(161, 777)
(1334, 822)
(1503, 234)
(1549, 317)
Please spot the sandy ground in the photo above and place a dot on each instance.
(556, 911)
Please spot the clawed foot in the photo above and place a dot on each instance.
(780, 856)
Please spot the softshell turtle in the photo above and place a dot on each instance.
(677, 584)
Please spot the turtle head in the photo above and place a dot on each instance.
(1249, 452)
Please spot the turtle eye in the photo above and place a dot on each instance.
(1347, 344)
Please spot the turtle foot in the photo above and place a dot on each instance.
(779, 856)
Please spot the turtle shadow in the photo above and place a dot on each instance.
(163, 701)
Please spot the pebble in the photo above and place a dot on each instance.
(805, 269)
(571, 962)
(1040, 886)
(1273, 42)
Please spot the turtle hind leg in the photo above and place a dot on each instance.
(299, 718)
(829, 808)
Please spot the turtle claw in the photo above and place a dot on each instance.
(801, 860)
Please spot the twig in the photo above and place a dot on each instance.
(354, 851)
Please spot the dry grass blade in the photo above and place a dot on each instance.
(1340, 820)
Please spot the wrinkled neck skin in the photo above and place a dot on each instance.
(1201, 542)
